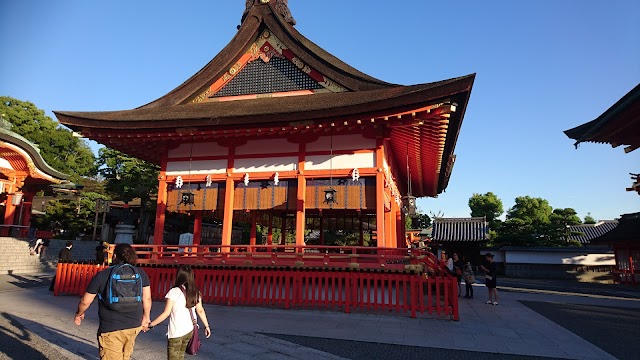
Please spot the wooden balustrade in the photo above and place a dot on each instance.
(347, 289)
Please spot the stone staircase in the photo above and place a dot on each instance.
(16, 259)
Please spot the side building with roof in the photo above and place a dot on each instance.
(23, 172)
(584, 233)
(466, 236)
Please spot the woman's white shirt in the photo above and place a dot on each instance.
(180, 323)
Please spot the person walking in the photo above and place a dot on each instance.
(183, 300)
(489, 269)
(469, 279)
(124, 304)
(64, 256)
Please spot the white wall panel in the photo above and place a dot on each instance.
(197, 167)
(342, 142)
(199, 149)
(267, 146)
(346, 161)
(288, 163)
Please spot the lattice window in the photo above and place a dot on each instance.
(259, 77)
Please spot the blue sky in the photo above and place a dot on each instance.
(542, 67)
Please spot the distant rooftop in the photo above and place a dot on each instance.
(472, 229)
(592, 231)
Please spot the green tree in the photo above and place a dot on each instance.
(487, 205)
(72, 214)
(59, 148)
(557, 232)
(589, 219)
(418, 221)
(527, 223)
(534, 211)
(127, 178)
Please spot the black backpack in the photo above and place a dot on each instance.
(124, 288)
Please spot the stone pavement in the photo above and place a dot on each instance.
(510, 330)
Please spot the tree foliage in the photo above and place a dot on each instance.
(487, 205)
(127, 178)
(70, 215)
(59, 148)
(533, 222)
(589, 219)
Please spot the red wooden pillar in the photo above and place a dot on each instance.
(227, 221)
(161, 204)
(300, 203)
(300, 210)
(9, 212)
(389, 218)
(229, 193)
(270, 233)
(197, 227)
(380, 193)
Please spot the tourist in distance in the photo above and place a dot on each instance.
(64, 256)
(458, 266)
(489, 269)
(469, 279)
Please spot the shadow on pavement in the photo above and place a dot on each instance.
(612, 329)
(28, 281)
(15, 340)
(362, 350)
(18, 342)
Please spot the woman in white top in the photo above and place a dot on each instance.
(178, 308)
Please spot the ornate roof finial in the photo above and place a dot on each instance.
(281, 7)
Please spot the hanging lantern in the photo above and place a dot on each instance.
(409, 205)
(187, 198)
(330, 196)
(16, 199)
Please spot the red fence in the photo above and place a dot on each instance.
(408, 292)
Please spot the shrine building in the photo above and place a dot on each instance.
(276, 131)
(23, 172)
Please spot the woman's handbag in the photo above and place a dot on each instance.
(194, 343)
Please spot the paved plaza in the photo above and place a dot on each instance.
(528, 324)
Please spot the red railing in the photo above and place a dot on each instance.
(346, 289)
(353, 257)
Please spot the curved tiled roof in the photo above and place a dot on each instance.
(460, 229)
(421, 121)
(628, 229)
(33, 151)
(592, 231)
(619, 125)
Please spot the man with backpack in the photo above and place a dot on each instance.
(124, 300)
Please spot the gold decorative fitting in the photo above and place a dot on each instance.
(264, 1)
